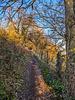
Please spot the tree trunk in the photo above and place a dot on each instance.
(47, 57)
(41, 54)
(70, 43)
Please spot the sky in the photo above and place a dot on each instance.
(29, 10)
(47, 31)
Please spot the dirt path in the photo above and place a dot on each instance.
(34, 87)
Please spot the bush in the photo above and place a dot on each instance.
(52, 81)
(12, 68)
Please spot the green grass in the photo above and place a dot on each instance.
(37, 58)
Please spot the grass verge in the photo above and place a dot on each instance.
(58, 87)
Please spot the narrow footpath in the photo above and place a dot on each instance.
(34, 87)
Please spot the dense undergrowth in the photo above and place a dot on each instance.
(58, 87)
(13, 60)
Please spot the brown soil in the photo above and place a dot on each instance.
(34, 87)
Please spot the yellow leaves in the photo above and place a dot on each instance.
(48, 47)
(26, 48)
(40, 92)
(68, 2)
(72, 50)
(11, 35)
(50, 88)
(3, 33)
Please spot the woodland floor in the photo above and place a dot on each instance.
(34, 87)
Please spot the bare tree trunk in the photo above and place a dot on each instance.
(47, 57)
(70, 43)
(41, 54)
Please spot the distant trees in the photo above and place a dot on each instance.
(37, 37)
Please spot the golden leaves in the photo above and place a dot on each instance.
(68, 2)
